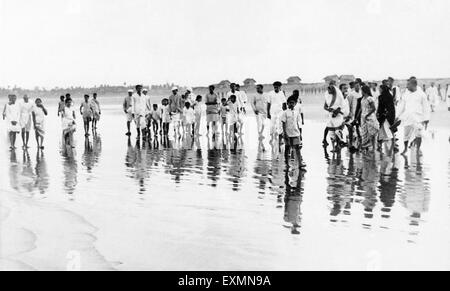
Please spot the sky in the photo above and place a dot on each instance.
(62, 43)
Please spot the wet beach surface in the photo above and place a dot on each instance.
(198, 204)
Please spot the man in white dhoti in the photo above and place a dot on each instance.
(335, 105)
(259, 106)
(242, 102)
(276, 103)
(433, 96)
(412, 112)
(11, 114)
(26, 108)
(139, 105)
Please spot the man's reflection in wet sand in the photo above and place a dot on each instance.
(92, 153)
(214, 165)
(388, 183)
(416, 194)
(236, 168)
(339, 186)
(42, 178)
(14, 171)
(27, 175)
(369, 180)
(70, 171)
(262, 168)
(135, 163)
(293, 199)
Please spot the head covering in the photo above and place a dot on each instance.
(174, 88)
(189, 89)
(144, 90)
(130, 91)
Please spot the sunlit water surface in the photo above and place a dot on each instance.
(113, 203)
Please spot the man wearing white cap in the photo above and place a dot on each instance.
(139, 105)
(190, 95)
(175, 109)
(127, 107)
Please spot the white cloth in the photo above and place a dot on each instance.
(139, 105)
(292, 121)
(233, 113)
(165, 114)
(353, 98)
(414, 108)
(12, 113)
(242, 98)
(339, 103)
(433, 95)
(260, 103)
(39, 116)
(189, 115)
(68, 117)
(448, 97)
(276, 101)
(25, 114)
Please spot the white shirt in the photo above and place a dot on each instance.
(432, 94)
(260, 103)
(26, 108)
(12, 112)
(139, 104)
(414, 107)
(276, 101)
(189, 115)
(242, 98)
(293, 121)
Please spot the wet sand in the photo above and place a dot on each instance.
(112, 204)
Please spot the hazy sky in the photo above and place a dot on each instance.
(197, 42)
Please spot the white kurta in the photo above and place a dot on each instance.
(12, 113)
(276, 101)
(414, 108)
(339, 103)
(26, 108)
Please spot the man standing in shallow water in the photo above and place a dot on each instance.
(139, 104)
(276, 103)
(127, 107)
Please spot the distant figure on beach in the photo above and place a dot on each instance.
(176, 108)
(233, 116)
(433, 96)
(189, 118)
(156, 120)
(139, 105)
(11, 113)
(127, 109)
(369, 123)
(223, 112)
(39, 113)
(276, 103)
(69, 123)
(334, 105)
(354, 98)
(242, 103)
(386, 116)
(198, 110)
(212, 111)
(97, 111)
(61, 106)
(26, 107)
(259, 105)
(395, 90)
(87, 112)
(299, 107)
(412, 113)
(291, 121)
(148, 112)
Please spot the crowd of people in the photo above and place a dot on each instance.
(365, 116)
(361, 116)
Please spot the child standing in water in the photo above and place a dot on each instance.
(165, 112)
(156, 119)
(69, 125)
(39, 113)
(189, 118)
(198, 114)
(233, 115)
(291, 121)
(61, 106)
(11, 114)
(223, 111)
(87, 112)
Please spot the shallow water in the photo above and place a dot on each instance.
(112, 203)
